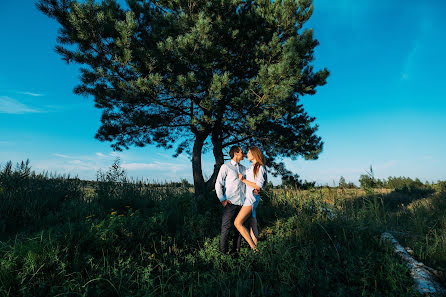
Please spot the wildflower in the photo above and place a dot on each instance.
(152, 256)
(121, 215)
(113, 213)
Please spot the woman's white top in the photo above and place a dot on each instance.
(259, 180)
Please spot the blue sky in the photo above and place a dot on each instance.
(384, 104)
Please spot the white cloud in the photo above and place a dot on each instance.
(6, 143)
(408, 66)
(83, 166)
(155, 166)
(120, 155)
(140, 166)
(87, 166)
(12, 106)
(31, 94)
(73, 168)
(423, 34)
(62, 156)
(170, 157)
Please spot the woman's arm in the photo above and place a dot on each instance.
(247, 182)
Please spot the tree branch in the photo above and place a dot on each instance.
(236, 141)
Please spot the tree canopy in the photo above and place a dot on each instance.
(196, 75)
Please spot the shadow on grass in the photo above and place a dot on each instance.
(133, 239)
(135, 252)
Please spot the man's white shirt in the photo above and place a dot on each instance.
(228, 185)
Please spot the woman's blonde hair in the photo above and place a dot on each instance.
(258, 155)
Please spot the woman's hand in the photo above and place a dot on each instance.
(241, 177)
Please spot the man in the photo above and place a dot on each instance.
(231, 193)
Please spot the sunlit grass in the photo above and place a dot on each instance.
(115, 237)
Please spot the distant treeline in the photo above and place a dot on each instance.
(116, 173)
(366, 181)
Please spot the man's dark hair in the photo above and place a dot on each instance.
(234, 149)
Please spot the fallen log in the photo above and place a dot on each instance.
(424, 281)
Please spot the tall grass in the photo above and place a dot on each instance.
(117, 237)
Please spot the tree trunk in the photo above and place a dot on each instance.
(219, 160)
(199, 184)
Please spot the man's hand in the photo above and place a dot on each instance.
(225, 202)
(241, 177)
(256, 192)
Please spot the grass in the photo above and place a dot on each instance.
(65, 237)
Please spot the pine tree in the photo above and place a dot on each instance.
(197, 75)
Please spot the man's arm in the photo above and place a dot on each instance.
(220, 183)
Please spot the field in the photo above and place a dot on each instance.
(61, 236)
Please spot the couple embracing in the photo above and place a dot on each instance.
(237, 189)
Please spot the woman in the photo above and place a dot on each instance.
(255, 178)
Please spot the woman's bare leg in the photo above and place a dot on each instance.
(254, 230)
(244, 213)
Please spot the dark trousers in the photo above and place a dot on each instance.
(230, 212)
